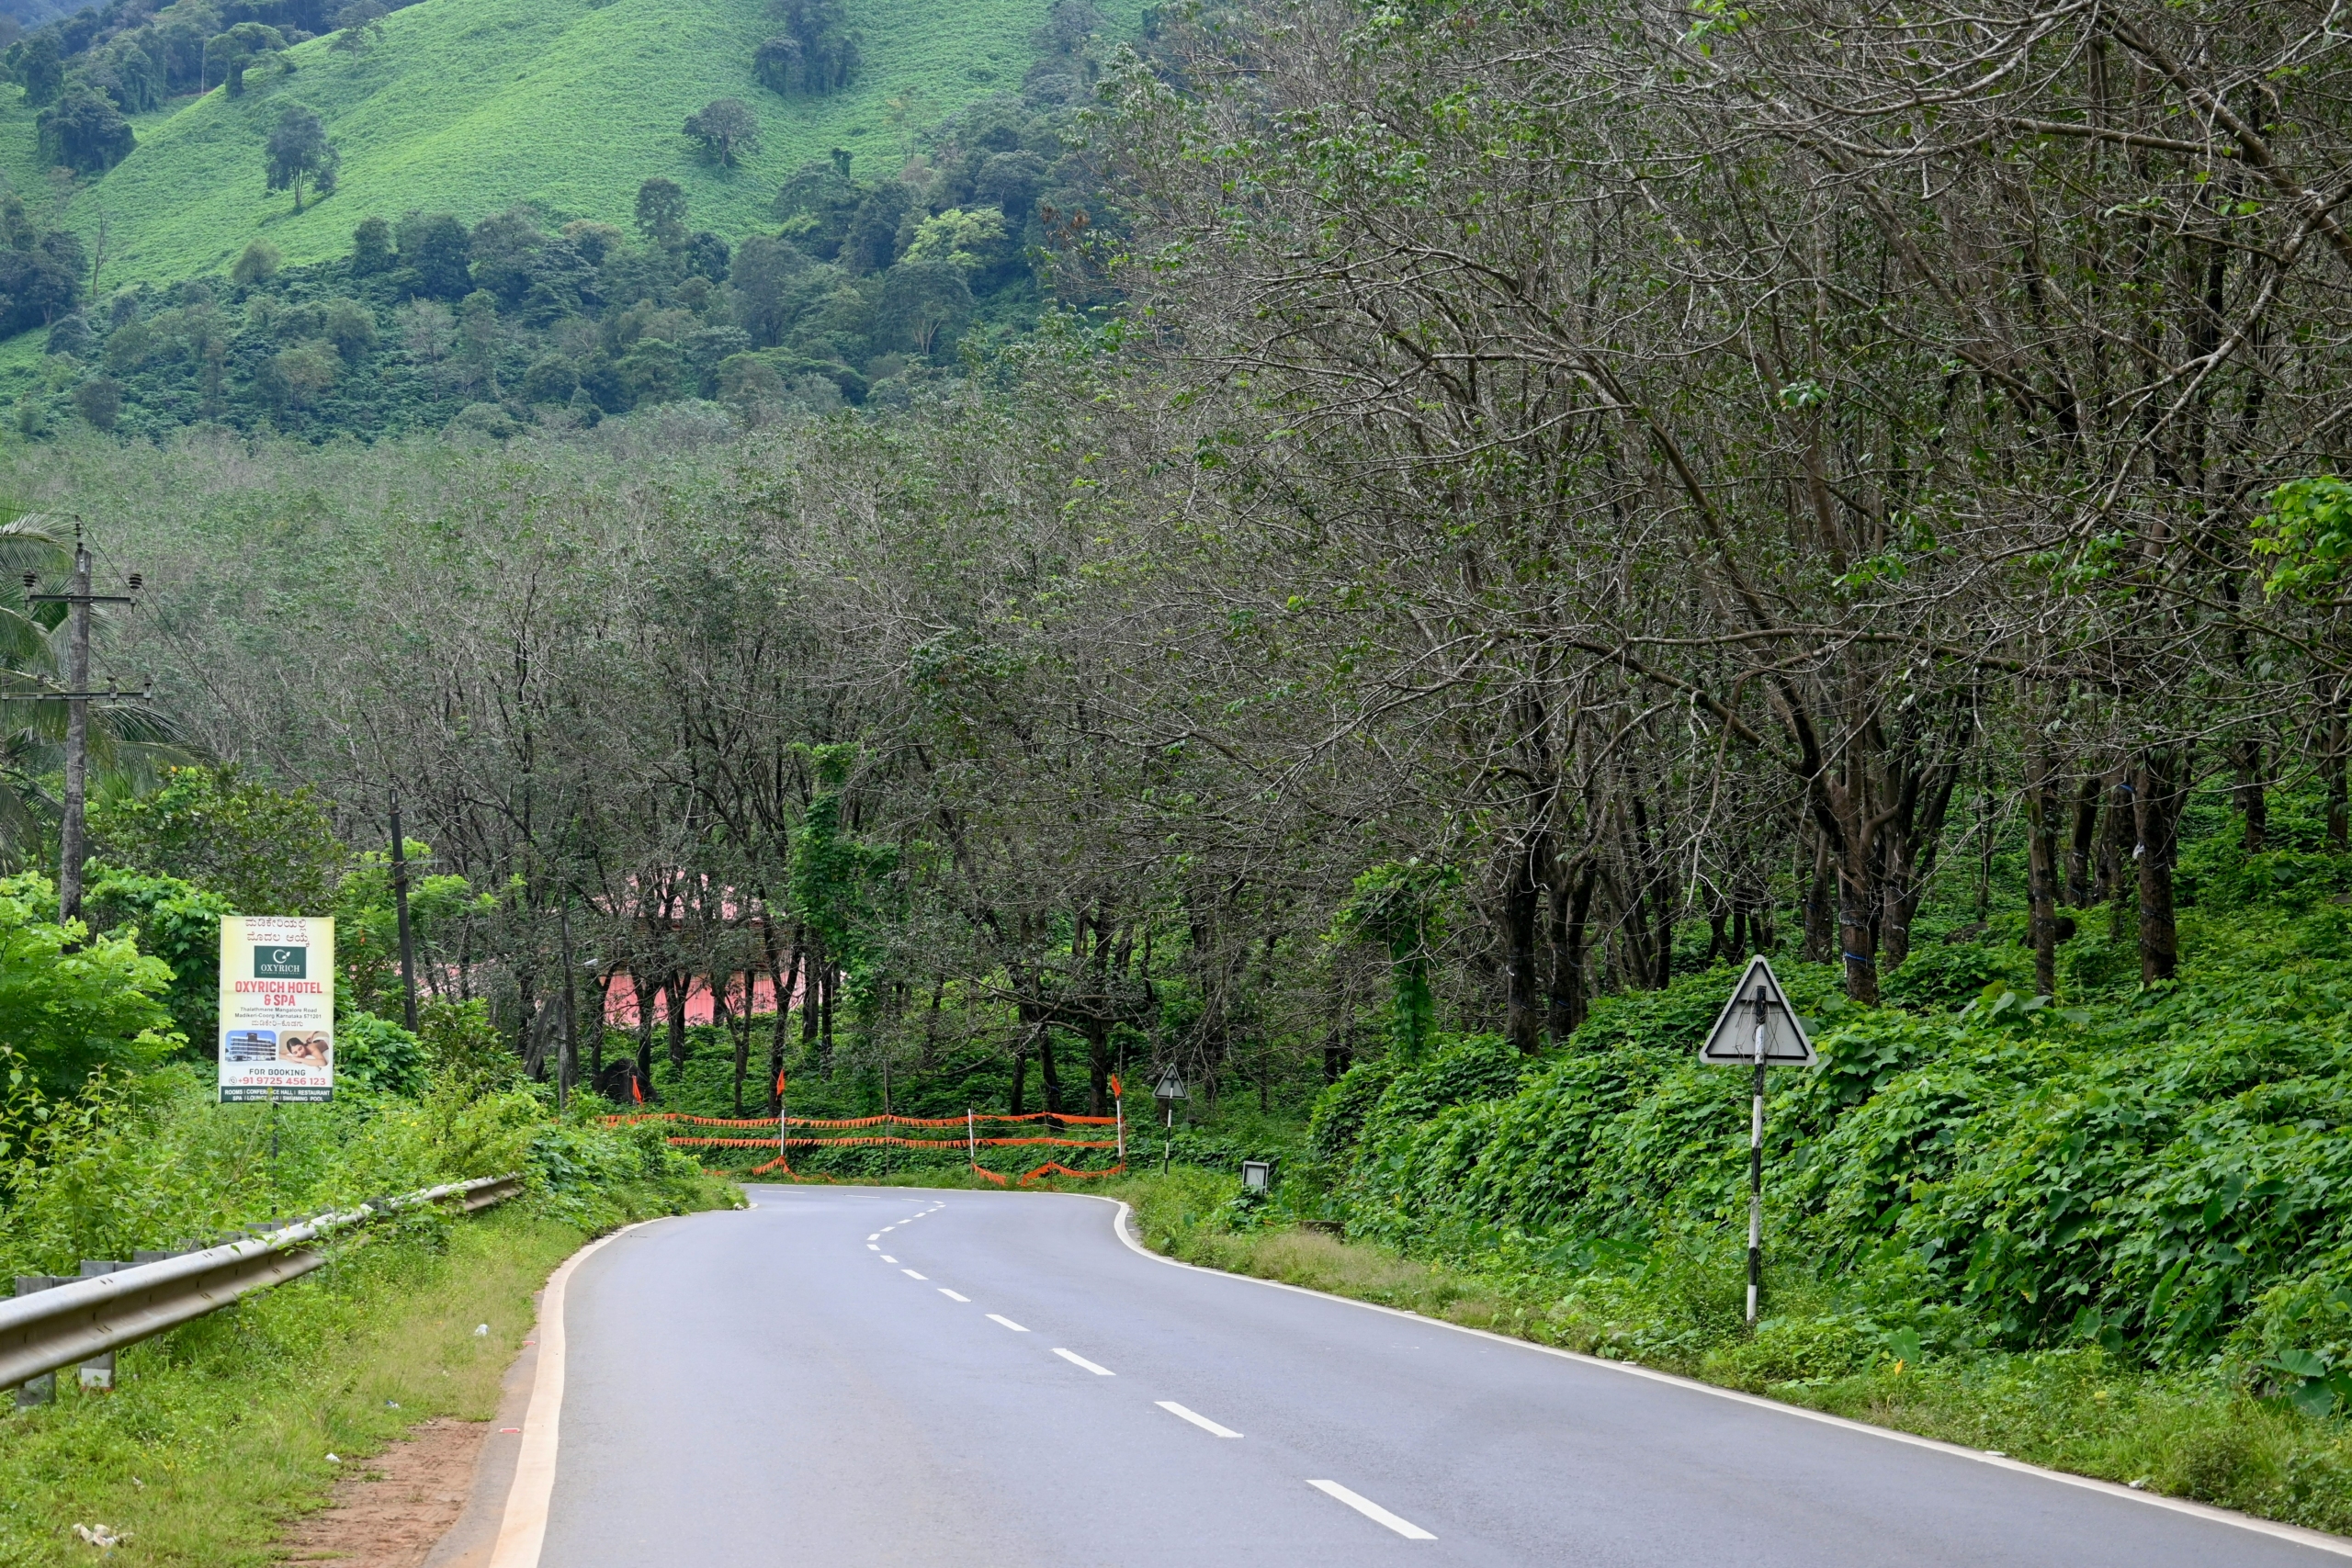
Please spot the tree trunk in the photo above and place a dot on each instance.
(1820, 926)
(596, 1034)
(676, 989)
(647, 993)
(2082, 844)
(2339, 815)
(1098, 1067)
(1571, 912)
(1854, 910)
(813, 982)
(2115, 853)
(524, 1042)
(1522, 901)
(2159, 789)
(831, 975)
(1908, 845)
(1337, 1054)
(743, 1042)
(2251, 798)
(2041, 869)
(1019, 1077)
(1048, 1073)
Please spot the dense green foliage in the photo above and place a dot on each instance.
(487, 106)
(2152, 1172)
(69, 1009)
(871, 288)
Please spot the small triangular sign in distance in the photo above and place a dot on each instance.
(1758, 998)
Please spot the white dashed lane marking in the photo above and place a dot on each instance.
(1197, 1420)
(1372, 1511)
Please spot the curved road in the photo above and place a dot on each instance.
(848, 1376)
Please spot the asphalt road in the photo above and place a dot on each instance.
(848, 1376)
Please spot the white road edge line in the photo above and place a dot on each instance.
(1197, 1420)
(2317, 1539)
(1075, 1360)
(954, 1297)
(1372, 1511)
(1000, 1317)
(912, 1275)
(522, 1525)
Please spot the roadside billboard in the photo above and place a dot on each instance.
(277, 1008)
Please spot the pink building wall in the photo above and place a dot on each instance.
(621, 1000)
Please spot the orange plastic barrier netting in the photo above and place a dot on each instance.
(899, 1142)
(630, 1118)
(953, 1120)
(1048, 1168)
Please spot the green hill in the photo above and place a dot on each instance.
(473, 106)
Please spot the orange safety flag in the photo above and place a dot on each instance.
(635, 1089)
(1116, 1092)
(779, 1084)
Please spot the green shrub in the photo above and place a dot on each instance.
(371, 1053)
(1342, 1109)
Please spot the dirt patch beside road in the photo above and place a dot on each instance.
(394, 1511)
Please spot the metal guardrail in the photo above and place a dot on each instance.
(90, 1317)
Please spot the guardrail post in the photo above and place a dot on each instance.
(41, 1389)
(99, 1370)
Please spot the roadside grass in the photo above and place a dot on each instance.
(473, 106)
(218, 1432)
(2191, 1434)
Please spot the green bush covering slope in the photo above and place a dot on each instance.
(2156, 1172)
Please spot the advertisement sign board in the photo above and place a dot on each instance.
(277, 1008)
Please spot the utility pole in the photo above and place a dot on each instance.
(73, 837)
(400, 904)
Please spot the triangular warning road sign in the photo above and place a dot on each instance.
(1757, 1000)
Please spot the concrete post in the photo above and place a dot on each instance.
(41, 1389)
(99, 1370)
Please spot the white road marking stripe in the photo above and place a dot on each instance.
(871, 1248)
(876, 1236)
(1197, 1420)
(912, 1275)
(1372, 1511)
(523, 1526)
(954, 1297)
(1000, 1317)
(886, 1256)
(1075, 1360)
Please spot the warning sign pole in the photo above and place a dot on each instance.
(1756, 1171)
(1759, 1031)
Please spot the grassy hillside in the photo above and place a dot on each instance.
(472, 105)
